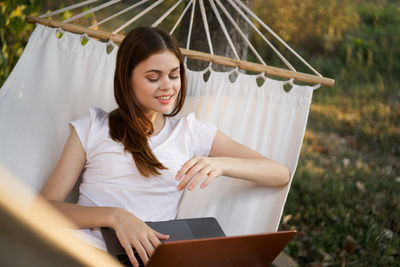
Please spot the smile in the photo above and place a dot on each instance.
(164, 97)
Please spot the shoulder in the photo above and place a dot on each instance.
(95, 120)
(92, 127)
(187, 123)
(201, 134)
(95, 115)
(98, 115)
(188, 120)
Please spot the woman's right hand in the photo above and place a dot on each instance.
(132, 232)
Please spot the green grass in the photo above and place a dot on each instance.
(345, 200)
(345, 204)
(345, 197)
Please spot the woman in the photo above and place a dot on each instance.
(136, 161)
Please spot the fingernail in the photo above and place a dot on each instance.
(190, 188)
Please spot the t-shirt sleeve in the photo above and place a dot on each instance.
(203, 135)
(86, 126)
(82, 128)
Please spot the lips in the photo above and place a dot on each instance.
(164, 99)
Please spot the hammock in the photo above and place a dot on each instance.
(57, 80)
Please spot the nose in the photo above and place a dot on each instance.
(166, 84)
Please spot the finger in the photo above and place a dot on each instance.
(147, 245)
(190, 175)
(160, 236)
(129, 252)
(211, 176)
(203, 174)
(188, 178)
(154, 240)
(186, 167)
(141, 251)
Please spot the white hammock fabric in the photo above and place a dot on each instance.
(57, 80)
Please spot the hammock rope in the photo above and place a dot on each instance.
(155, 24)
(236, 63)
(240, 32)
(68, 8)
(138, 16)
(248, 10)
(190, 30)
(204, 17)
(181, 16)
(223, 27)
(284, 60)
(119, 13)
(92, 10)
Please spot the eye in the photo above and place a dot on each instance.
(174, 75)
(153, 80)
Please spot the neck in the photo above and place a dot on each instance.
(158, 121)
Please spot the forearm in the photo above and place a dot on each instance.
(87, 217)
(259, 170)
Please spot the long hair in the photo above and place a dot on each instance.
(128, 123)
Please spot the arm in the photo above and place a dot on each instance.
(229, 158)
(62, 181)
(130, 230)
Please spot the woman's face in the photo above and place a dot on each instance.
(156, 82)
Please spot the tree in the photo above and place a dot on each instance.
(220, 44)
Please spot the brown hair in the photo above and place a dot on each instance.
(128, 124)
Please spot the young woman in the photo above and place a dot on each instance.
(136, 160)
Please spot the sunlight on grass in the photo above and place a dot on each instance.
(341, 202)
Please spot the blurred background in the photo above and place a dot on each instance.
(345, 197)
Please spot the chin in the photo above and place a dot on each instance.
(167, 110)
(164, 110)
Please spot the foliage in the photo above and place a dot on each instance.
(371, 49)
(14, 32)
(344, 200)
(367, 73)
(313, 25)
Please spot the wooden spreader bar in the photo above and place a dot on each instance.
(220, 60)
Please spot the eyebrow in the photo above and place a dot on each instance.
(159, 71)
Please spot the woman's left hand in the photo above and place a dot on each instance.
(199, 169)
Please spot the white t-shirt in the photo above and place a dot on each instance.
(110, 177)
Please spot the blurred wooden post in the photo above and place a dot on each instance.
(31, 232)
